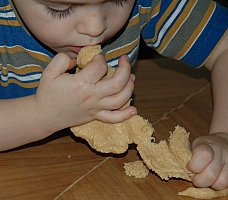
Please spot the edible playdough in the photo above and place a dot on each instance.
(136, 169)
(167, 159)
(105, 137)
(203, 193)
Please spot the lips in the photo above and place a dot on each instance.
(76, 49)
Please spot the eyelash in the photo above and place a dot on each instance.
(65, 13)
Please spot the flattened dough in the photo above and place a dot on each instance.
(106, 138)
(203, 193)
(168, 159)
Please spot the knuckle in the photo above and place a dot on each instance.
(206, 155)
(102, 67)
(116, 87)
(212, 176)
(222, 182)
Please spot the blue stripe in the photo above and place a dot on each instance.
(15, 91)
(24, 39)
(209, 38)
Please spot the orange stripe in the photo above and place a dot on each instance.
(9, 22)
(122, 51)
(177, 24)
(154, 12)
(197, 32)
(8, 7)
(162, 20)
(21, 71)
(18, 49)
(24, 85)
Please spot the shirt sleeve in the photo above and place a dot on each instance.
(186, 30)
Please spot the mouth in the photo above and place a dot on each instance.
(76, 49)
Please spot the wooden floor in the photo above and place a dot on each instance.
(63, 167)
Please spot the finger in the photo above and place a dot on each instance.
(95, 70)
(119, 80)
(222, 181)
(59, 65)
(116, 116)
(202, 155)
(118, 100)
(209, 175)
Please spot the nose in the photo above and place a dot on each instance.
(93, 24)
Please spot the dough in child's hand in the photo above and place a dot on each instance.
(105, 137)
(87, 54)
(168, 159)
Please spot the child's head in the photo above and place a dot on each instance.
(63, 25)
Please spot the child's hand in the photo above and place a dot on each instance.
(210, 161)
(73, 99)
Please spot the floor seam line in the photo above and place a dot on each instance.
(164, 116)
(82, 177)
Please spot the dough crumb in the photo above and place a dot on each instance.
(203, 193)
(136, 169)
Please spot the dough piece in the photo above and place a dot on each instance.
(107, 138)
(203, 193)
(87, 54)
(168, 160)
(136, 169)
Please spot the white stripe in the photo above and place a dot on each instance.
(11, 47)
(168, 23)
(178, 28)
(115, 62)
(7, 15)
(21, 67)
(198, 34)
(33, 77)
(124, 45)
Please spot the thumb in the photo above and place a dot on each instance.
(59, 65)
(202, 155)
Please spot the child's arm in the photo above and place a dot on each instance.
(210, 153)
(63, 100)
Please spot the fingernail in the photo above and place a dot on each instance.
(134, 112)
(127, 58)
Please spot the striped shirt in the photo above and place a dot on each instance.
(186, 30)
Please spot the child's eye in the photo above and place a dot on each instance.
(121, 2)
(59, 13)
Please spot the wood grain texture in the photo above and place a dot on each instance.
(63, 167)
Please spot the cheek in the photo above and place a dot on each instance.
(51, 34)
(116, 23)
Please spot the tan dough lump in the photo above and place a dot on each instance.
(105, 137)
(114, 138)
(136, 169)
(203, 193)
(87, 54)
(168, 159)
